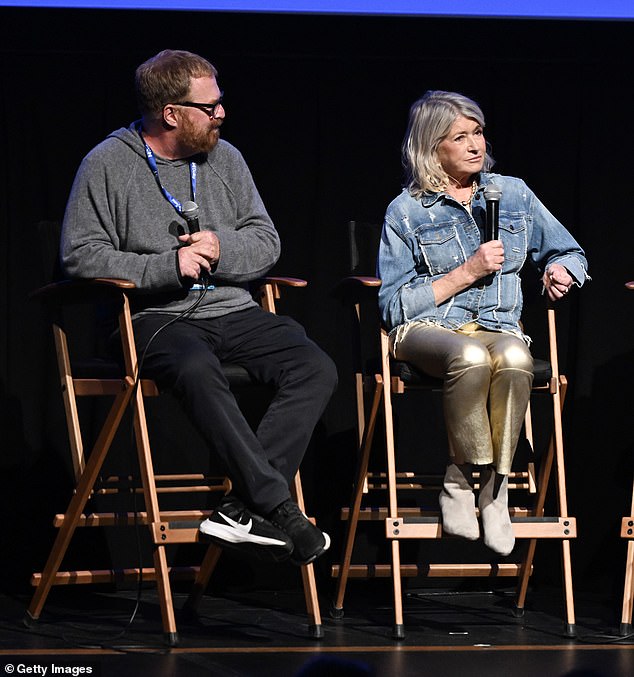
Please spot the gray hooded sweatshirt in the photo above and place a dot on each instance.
(119, 224)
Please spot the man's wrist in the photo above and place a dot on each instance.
(179, 274)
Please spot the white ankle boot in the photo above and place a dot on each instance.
(457, 503)
(494, 511)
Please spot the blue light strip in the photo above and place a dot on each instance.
(581, 9)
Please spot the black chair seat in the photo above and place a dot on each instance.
(542, 372)
(237, 376)
(411, 377)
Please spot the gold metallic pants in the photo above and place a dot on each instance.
(487, 382)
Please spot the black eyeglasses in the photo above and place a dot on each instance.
(207, 108)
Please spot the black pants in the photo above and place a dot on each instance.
(185, 358)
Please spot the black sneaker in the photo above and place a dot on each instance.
(308, 540)
(233, 526)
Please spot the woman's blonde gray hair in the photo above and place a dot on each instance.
(430, 120)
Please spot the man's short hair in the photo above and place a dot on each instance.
(166, 78)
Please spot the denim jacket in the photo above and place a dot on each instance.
(423, 239)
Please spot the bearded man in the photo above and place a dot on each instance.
(192, 310)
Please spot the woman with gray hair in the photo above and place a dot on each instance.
(451, 299)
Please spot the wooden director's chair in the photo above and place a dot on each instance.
(97, 378)
(390, 380)
(627, 531)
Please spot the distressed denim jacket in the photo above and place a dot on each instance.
(423, 239)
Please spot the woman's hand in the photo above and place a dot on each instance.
(557, 281)
(488, 259)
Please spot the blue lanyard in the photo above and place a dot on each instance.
(149, 154)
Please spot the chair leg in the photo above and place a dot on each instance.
(315, 628)
(558, 404)
(628, 592)
(538, 511)
(308, 574)
(398, 631)
(555, 455)
(78, 503)
(207, 567)
(628, 587)
(525, 573)
(355, 506)
(570, 627)
(165, 595)
(148, 481)
(528, 430)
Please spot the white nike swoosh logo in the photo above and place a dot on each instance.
(246, 528)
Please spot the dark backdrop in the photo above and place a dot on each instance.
(318, 106)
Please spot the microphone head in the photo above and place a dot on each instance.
(189, 210)
(492, 193)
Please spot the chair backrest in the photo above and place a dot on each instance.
(90, 319)
(363, 245)
(49, 235)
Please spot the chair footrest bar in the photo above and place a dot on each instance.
(374, 485)
(370, 513)
(431, 570)
(437, 479)
(184, 489)
(524, 527)
(114, 575)
(115, 519)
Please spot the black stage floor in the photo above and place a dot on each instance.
(84, 630)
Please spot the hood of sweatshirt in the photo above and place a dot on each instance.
(131, 137)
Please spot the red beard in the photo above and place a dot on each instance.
(198, 139)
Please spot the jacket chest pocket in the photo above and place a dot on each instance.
(513, 234)
(440, 249)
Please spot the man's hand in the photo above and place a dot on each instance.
(557, 281)
(200, 253)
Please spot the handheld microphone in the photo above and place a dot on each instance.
(492, 195)
(189, 212)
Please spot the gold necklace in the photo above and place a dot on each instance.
(474, 188)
